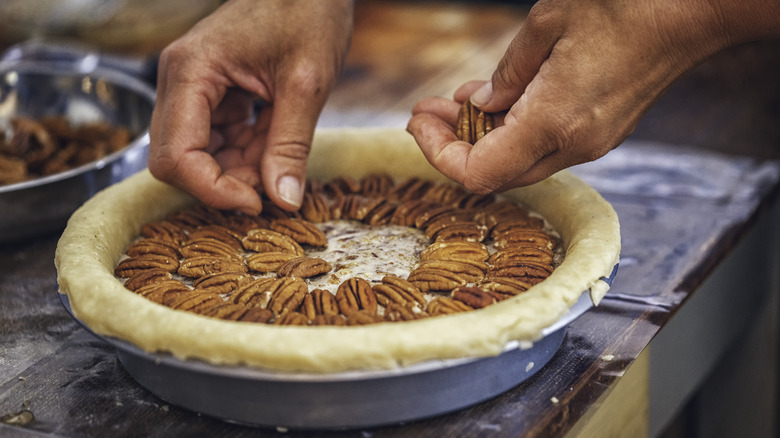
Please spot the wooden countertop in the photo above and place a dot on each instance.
(678, 221)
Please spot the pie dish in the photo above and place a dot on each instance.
(98, 233)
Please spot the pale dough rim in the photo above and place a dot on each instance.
(97, 234)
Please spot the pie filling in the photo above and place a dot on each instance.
(359, 251)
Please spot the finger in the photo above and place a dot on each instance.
(523, 58)
(445, 109)
(296, 108)
(180, 134)
(439, 144)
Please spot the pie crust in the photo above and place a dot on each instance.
(99, 231)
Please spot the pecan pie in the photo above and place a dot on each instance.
(386, 264)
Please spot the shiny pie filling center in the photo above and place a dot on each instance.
(358, 252)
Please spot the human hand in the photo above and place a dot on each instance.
(204, 136)
(575, 82)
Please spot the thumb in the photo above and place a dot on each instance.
(521, 62)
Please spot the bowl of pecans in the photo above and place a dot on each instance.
(67, 130)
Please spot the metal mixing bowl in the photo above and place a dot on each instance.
(82, 93)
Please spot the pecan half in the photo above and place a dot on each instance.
(407, 213)
(292, 318)
(396, 290)
(315, 207)
(253, 294)
(238, 312)
(410, 189)
(243, 224)
(328, 319)
(204, 265)
(162, 291)
(164, 230)
(492, 214)
(303, 232)
(271, 241)
(356, 294)
(364, 317)
(381, 213)
(469, 270)
(505, 287)
(446, 306)
(268, 261)
(503, 227)
(534, 238)
(161, 247)
(473, 297)
(222, 282)
(529, 272)
(286, 294)
(304, 267)
(146, 277)
(446, 194)
(218, 232)
(376, 185)
(324, 302)
(398, 312)
(523, 253)
(133, 265)
(341, 186)
(473, 123)
(455, 250)
(194, 217)
(436, 280)
(193, 301)
(461, 231)
(447, 213)
(207, 246)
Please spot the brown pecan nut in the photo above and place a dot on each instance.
(455, 250)
(194, 217)
(376, 185)
(222, 282)
(523, 253)
(436, 280)
(133, 265)
(505, 287)
(324, 302)
(207, 246)
(364, 317)
(461, 231)
(410, 189)
(238, 312)
(341, 186)
(447, 213)
(354, 207)
(272, 212)
(164, 230)
(407, 213)
(315, 207)
(271, 241)
(356, 294)
(521, 269)
(471, 271)
(446, 194)
(381, 213)
(268, 261)
(473, 123)
(162, 291)
(517, 238)
(218, 232)
(292, 318)
(193, 301)
(473, 296)
(146, 277)
(394, 289)
(304, 267)
(287, 294)
(204, 265)
(301, 231)
(338, 320)
(399, 312)
(491, 214)
(154, 246)
(242, 224)
(446, 306)
(518, 223)
(253, 294)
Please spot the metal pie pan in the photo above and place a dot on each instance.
(344, 400)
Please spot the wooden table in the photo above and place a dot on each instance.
(682, 211)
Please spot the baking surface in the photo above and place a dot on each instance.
(678, 221)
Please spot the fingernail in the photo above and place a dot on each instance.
(483, 94)
(290, 190)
